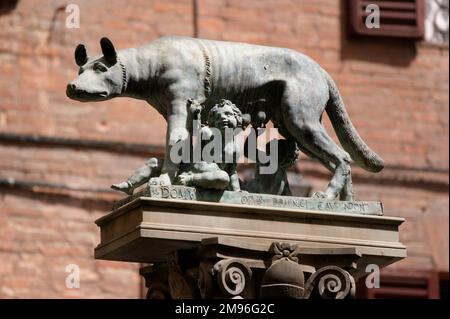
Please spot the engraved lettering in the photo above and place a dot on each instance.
(259, 200)
(173, 193)
(165, 192)
(320, 205)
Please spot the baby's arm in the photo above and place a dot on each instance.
(214, 180)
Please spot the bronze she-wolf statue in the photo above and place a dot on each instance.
(294, 90)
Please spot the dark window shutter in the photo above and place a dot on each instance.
(398, 18)
(402, 284)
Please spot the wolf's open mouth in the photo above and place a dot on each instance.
(84, 95)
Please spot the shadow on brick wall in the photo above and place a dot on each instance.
(392, 51)
(7, 6)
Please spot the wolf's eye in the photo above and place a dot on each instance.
(100, 67)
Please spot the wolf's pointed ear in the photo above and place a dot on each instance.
(81, 55)
(108, 50)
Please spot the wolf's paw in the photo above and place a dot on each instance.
(185, 179)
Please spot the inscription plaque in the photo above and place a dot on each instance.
(250, 199)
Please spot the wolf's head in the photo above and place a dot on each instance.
(100, 78)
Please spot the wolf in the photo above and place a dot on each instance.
(173, 69)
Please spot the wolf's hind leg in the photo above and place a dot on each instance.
(313, 137)
(347, 193)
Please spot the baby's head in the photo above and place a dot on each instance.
(224, 115)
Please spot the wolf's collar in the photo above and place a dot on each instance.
(124, 76)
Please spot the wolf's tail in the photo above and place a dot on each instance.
(347, 134)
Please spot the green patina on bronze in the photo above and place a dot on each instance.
(176, 192)
(266, 83)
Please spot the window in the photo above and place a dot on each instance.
(405, 284)
(397, 18)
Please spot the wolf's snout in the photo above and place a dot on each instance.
(71, 88)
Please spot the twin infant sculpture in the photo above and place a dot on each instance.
(222, 175)
(227, 85)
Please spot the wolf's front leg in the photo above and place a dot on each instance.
(177, 139)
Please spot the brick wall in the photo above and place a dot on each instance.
(51, 192)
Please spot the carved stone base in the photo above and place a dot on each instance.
(210, 250)
(215, 271)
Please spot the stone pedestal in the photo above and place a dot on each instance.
(206, 250)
